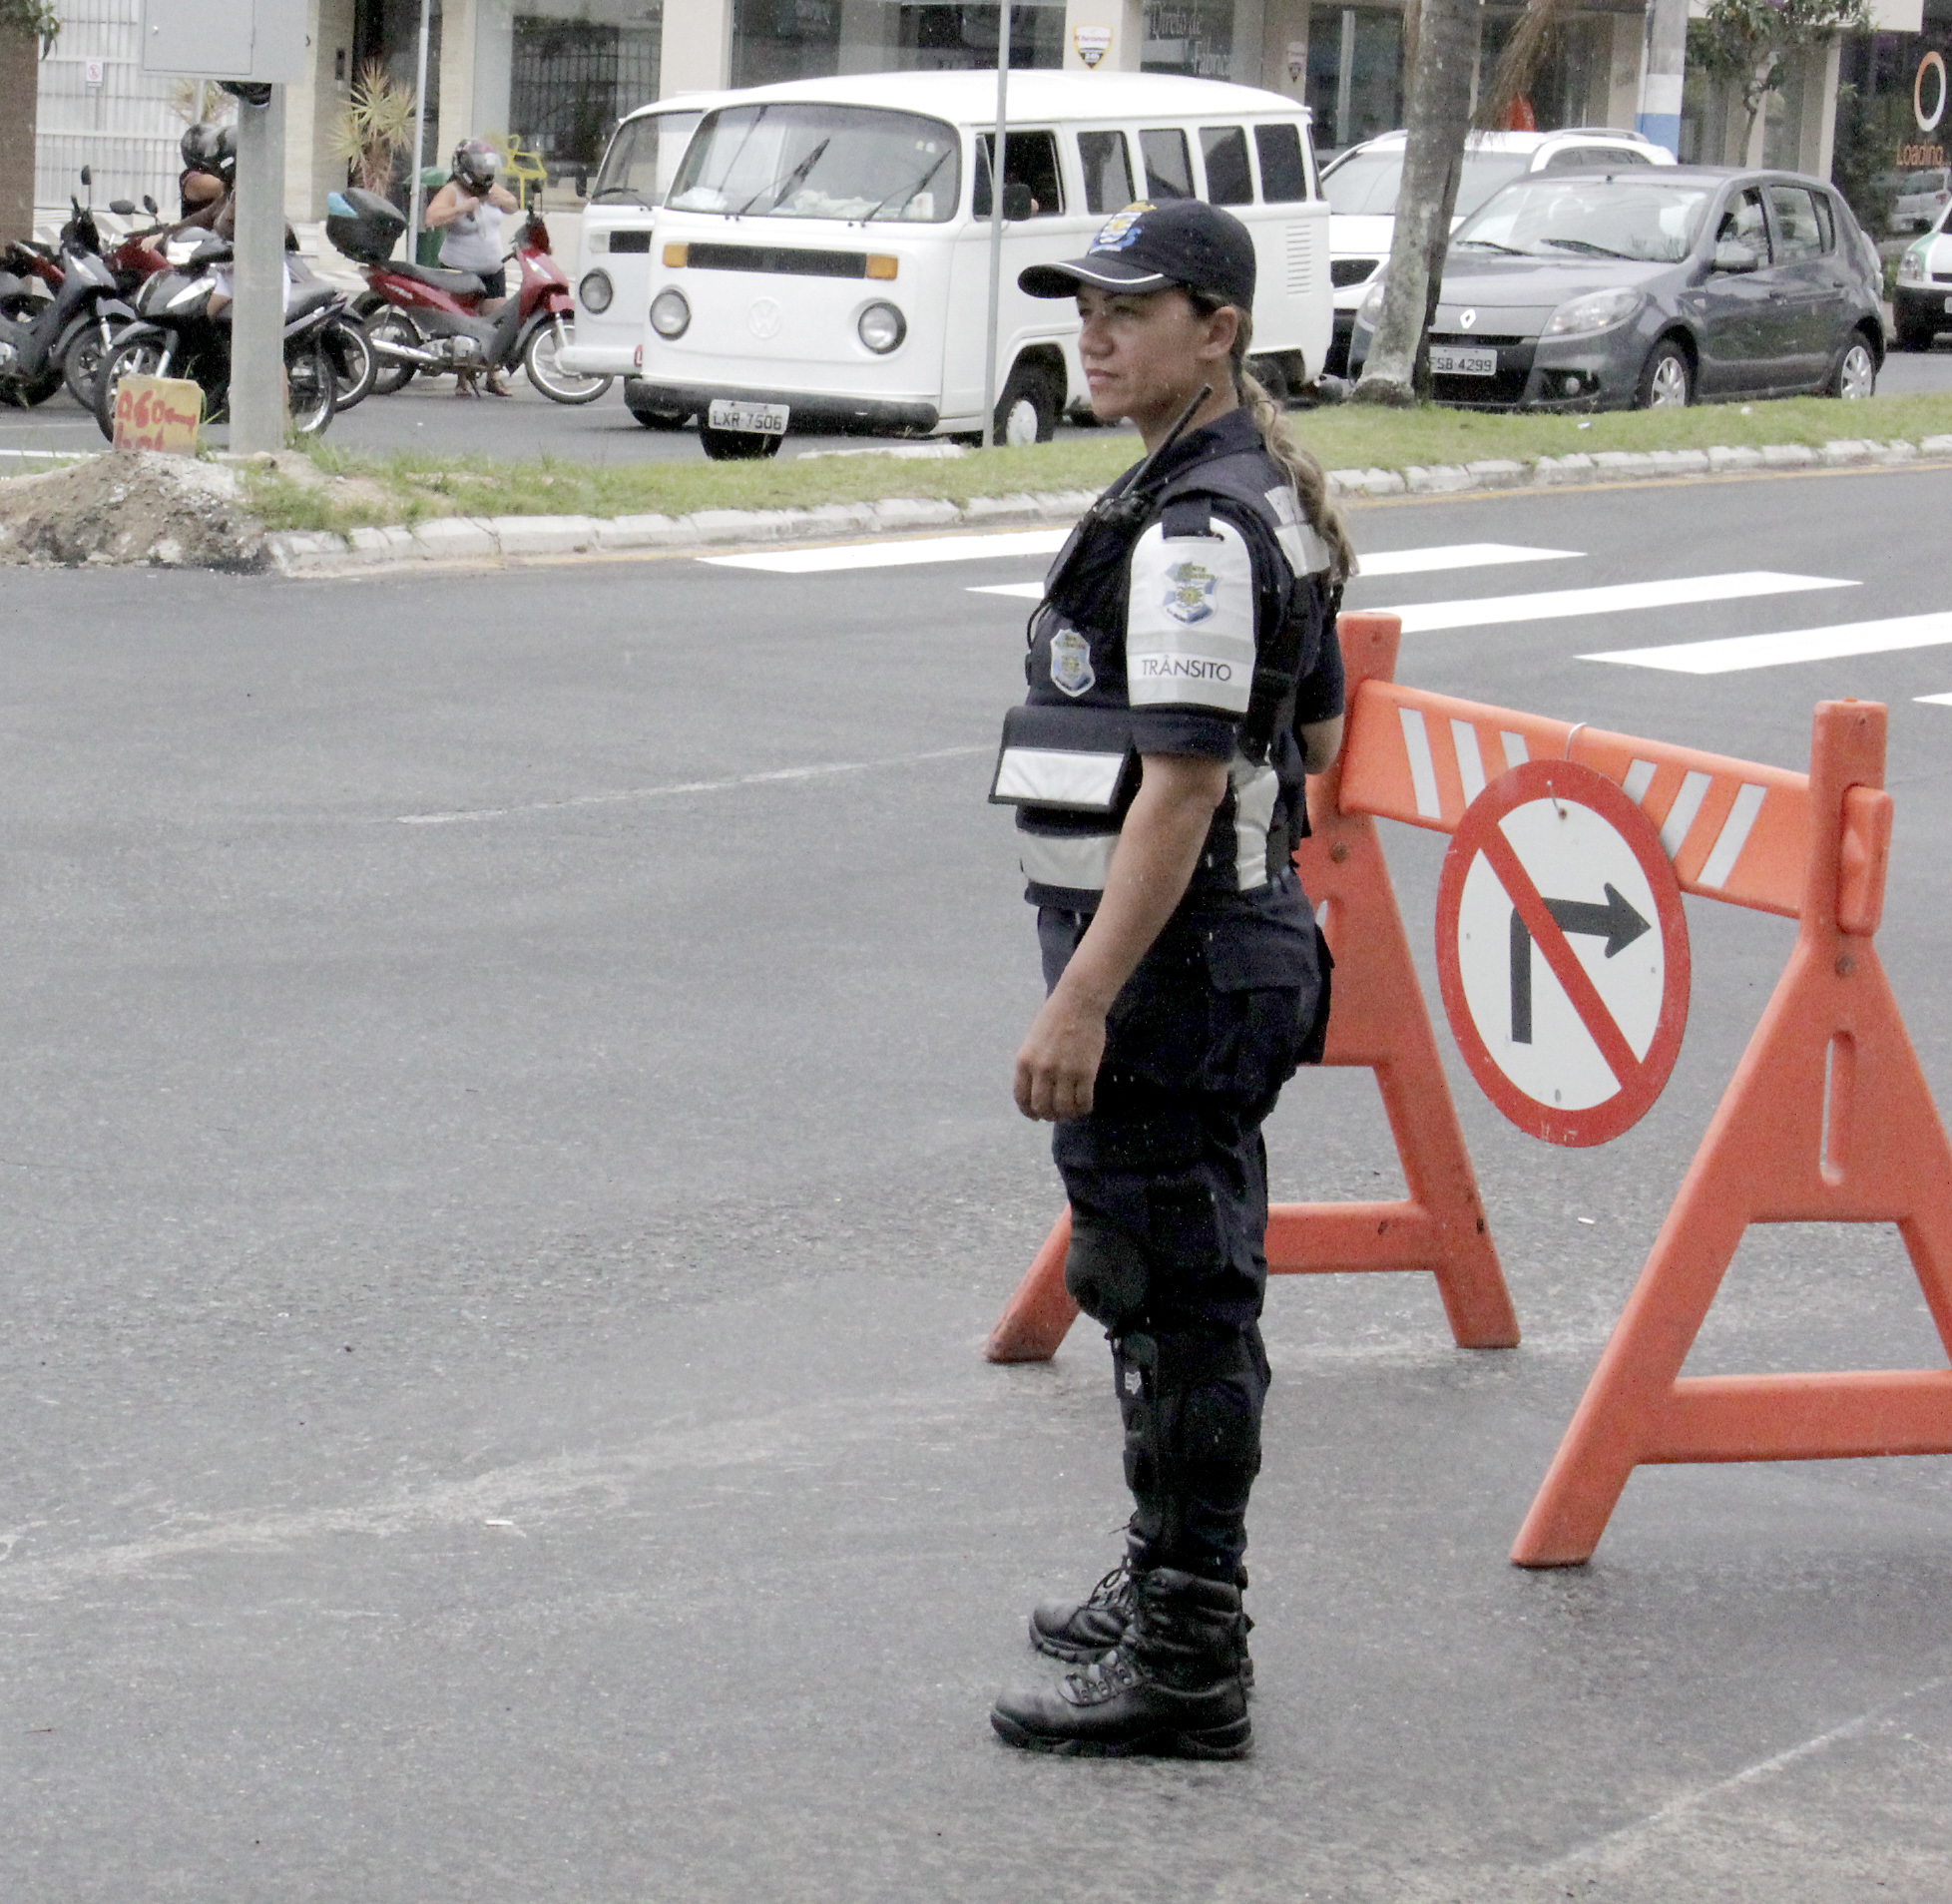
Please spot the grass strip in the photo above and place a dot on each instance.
(414, 485)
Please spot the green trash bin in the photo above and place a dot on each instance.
(427, 250)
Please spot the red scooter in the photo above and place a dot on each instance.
(427, 321)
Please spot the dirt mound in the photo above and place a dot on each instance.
(131, 507)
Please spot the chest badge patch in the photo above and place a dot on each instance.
(1189, 592)
(1071, 668)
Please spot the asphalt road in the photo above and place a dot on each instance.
(509, 1164)
(430, 416)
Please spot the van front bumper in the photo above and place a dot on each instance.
(812, 410)
(598, 360)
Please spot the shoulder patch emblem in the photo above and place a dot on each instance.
(1189, 592)
(1071, 669)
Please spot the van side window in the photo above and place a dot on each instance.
(1284, 176)
(1224, 149)
(1107, 166)
(1169, 165)
(1030, 158)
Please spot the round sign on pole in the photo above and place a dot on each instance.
(1562, 951)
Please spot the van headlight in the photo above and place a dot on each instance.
(881, 328)
(1371, 308)
(596, 291)
(1596, 310)
(1911, 267)
(671, 315)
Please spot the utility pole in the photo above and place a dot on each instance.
(998, 159)
(1662, 73)
(258, 321)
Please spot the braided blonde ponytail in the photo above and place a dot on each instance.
(1310, 480)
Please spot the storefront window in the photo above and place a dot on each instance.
(775, 40)
(1355, 75)
(1193, 37)
(1569, 85)
(1893, 126)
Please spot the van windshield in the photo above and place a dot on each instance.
(638, 167)
(798, 159)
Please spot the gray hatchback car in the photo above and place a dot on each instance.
(1583, 291)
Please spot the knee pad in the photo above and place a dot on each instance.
(1135, 1376)
(1107, 1276)
(1210, 1390)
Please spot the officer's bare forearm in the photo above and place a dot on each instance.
(1158, 847)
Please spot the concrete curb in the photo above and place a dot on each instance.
(476, 541)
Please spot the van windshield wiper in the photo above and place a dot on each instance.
(1492, 245)
(620, 191)
(915, 191)
(795, 177)
(1587, 245)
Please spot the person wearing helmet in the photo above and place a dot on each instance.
(467, 212)
(202, 183)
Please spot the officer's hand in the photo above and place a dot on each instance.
(1058, 1064)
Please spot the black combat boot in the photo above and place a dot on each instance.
(1169, 1689)
(1085, 1630)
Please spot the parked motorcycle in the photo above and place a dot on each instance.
(39, 334)
(425, 322)
(175, 335)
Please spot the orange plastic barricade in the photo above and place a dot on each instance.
(1828, 1120)
(1379, 1021)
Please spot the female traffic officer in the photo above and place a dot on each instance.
(1184, 679)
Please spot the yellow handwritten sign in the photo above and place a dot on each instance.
(158, 414)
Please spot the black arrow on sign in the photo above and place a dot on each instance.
(1615, 922)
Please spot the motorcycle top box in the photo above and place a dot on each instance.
(363, 225)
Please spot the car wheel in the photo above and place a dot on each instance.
(1027, 411)
(1668, 381)
(1854, 375)
(737, 446)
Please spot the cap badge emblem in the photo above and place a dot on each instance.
(1121, 229)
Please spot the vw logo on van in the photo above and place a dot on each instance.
(764, 319)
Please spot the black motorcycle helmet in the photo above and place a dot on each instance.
(476, 165)
(226, 165)
(199, 146)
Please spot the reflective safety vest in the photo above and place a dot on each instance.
(1171, 616)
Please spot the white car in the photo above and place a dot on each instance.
(1361, 188)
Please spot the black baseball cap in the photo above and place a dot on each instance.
(1146, 247)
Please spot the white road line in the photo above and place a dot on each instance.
(899, 555)
(1934, 701)
(1422, 618)
(1733, 653)
(682, 786)
(1388, 562)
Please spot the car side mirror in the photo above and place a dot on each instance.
(1733, 255)
(1018, 202)
(582, 183)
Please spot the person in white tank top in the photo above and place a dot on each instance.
(467, 212)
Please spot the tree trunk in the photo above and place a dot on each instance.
(1397, 370)
(20, 78)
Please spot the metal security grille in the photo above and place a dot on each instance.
(571, 80)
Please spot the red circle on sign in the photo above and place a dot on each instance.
(1547, 922)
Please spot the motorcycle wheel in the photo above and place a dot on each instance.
(312, 385)
(539, 359)
(138, 357)
(353, 364)
(392, 326)
(36, 393)
(82, 366)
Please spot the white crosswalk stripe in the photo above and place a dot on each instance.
(1485, 611)
(1734, 653)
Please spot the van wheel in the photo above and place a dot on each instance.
(737, 446)
(1027, 411)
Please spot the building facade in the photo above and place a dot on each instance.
(557, 74)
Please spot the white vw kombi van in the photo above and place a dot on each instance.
(821, 258)
(614, 263)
